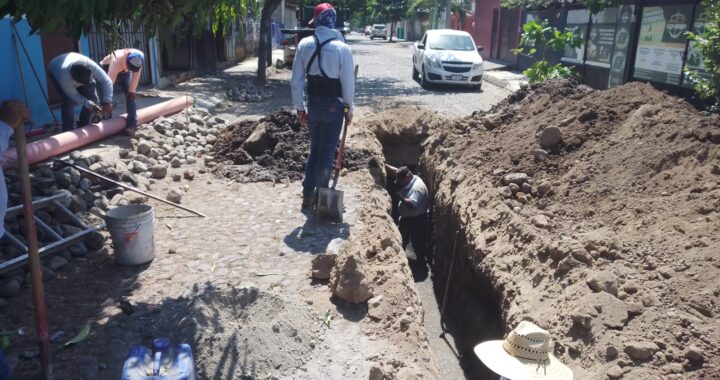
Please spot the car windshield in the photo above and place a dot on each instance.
(450, 42)
(379, 26)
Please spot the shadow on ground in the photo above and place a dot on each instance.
(315, 236)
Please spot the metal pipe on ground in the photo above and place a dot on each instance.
(67, 141)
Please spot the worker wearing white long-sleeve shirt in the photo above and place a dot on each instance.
(76, 78)
(12, 116)
(327, 63)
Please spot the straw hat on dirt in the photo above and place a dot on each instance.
(523, 355)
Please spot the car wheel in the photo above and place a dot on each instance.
(384, 38)
(415, 74)
(423, 80)
(371, 38)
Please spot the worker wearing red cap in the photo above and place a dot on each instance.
(327, 63)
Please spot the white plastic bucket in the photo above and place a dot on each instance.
(131, 230)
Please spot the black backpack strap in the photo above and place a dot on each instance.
(316, 54)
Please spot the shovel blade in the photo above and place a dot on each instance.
(330, 205)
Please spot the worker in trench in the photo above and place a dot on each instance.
(13, 114)
(327, 63)
(413, 208)
(124, 67)
(76, 77)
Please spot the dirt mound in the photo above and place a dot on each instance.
(270, 149)
(594, 214)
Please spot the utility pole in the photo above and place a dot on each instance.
(448, 15)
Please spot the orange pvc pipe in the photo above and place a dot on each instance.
(52, 146)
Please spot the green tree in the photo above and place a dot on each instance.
(594, 6)
(77, 16)
(393, 10)
(707, 84)
(537, 40)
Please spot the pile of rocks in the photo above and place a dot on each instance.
(174, 142)
(84, 196)
(170, 143)
(248, 91)
(521, 188)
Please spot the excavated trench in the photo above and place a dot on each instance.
(473, 312)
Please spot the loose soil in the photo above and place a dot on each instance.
(609, 242)
(282, 158)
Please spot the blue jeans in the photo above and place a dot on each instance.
(325, 120)
(123, 81)
(89, 91)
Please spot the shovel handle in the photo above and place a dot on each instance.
(341, 150)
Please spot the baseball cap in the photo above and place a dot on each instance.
(135, 61)
(320, 8)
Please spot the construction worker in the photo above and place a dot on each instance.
(124, 67)
(12, 116)
(76, 77)
(327, 63)
(413, 207)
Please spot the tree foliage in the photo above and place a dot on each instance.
(594, 6)
(536, 41)
(77, 16)
(708, 43)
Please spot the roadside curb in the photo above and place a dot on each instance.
(505, 79)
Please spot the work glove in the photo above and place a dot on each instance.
(94, 107)
(106, 108)
(302, 118)
(14, 113)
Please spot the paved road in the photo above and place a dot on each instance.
(385, 81)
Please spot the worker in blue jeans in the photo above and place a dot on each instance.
(78, 79)
(326, 61)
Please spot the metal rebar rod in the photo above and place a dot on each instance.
(41, 321)
(37, 204)
(126, 187)
(447, 284)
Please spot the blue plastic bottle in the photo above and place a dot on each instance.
(162, 363)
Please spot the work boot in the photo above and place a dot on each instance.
(308, 203)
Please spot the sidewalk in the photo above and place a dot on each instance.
(509, 80)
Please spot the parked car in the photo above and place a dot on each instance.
(368, 29)
(449, 57)
(378, 31)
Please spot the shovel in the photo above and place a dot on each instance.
(330, 205)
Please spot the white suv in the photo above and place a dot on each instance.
(378, 31)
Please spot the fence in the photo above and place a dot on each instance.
(130, 36)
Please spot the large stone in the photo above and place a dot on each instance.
(516, 178)
(259, 140)
(376, 373)
(541, 221)
(600, 309)
(144, 147)
(174, 195)
(139, 167)
(349, 280)
(640, 350)
(603, 281)
(135, 198)
(57, 262)
(322, 266)
(550, 137)
(9, 288)
(159, 171)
